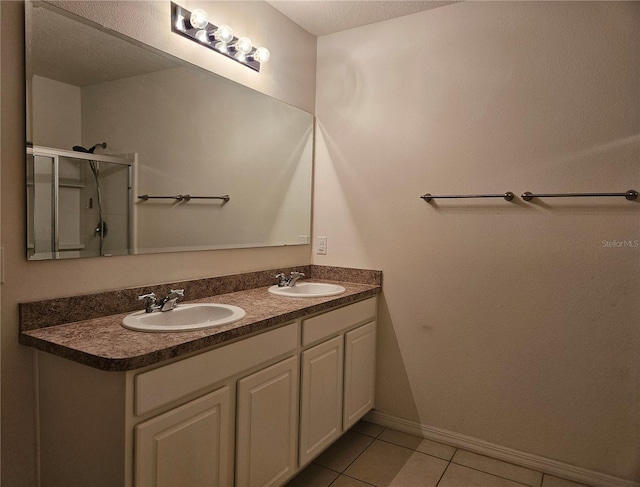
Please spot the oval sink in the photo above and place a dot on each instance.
(185, 317)
(308, 290)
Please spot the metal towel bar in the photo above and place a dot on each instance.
(185, 197)
(630, 195)
(507, 196)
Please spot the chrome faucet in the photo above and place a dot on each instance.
(284, 281)
(169, 302)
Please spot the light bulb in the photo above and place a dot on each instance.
(243, 45)
(199, 19)
(180, 22)
(203, 36)
(224, 33)
(262, 55)
(222, 47)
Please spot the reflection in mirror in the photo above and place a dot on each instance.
(74, 202)
(182, 131)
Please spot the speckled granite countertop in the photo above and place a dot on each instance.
(101, 342)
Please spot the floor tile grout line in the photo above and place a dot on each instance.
(445, 471)
(449, 462)
(418, 451)
(400, 446)
(383, 430)
(356, 478)
(501, 461)
(358, 456)
(370, 436)
(492, 474)
(324, 466)
(468, 451)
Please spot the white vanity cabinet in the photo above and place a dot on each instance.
(338, 374)
(250, 413)
(359, 373)
(267, 426)
(321, 397)
(166, 425)
(263, 420)
(187, 445)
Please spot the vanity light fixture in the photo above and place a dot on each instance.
(196, 26)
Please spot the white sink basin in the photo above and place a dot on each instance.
(185, 317)
(308, 290)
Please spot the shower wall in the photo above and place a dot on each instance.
(116, 211)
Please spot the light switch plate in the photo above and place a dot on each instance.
(321, 248)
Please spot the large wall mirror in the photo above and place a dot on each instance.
(130, 150)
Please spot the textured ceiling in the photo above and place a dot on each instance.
(321, 17)
(70, 52)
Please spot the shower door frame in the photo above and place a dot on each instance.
(55, 155)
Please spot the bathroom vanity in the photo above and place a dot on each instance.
(251, 410)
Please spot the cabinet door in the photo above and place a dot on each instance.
(267, 422)
(321, 397)
(189, 445)
(359, 373)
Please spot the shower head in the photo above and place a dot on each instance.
(102, 146)
(79, 148)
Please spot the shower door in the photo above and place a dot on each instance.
(78, 205)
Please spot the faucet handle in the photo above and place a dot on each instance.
(294, 278)
(170, 301)
(282, 279)
(151, 303)
(150, 296)
(176, 294)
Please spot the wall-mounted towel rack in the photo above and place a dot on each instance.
(224, 198)
(630, 195)
(184, 197)
(507, 196)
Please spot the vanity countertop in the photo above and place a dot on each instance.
(103, 343)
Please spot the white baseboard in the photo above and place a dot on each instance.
(529, 460)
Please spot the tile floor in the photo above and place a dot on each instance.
(371, 455)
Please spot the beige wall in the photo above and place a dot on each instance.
(289, 76)
(56, 114)
(509, 322)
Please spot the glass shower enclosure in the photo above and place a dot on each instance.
(78, 204)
